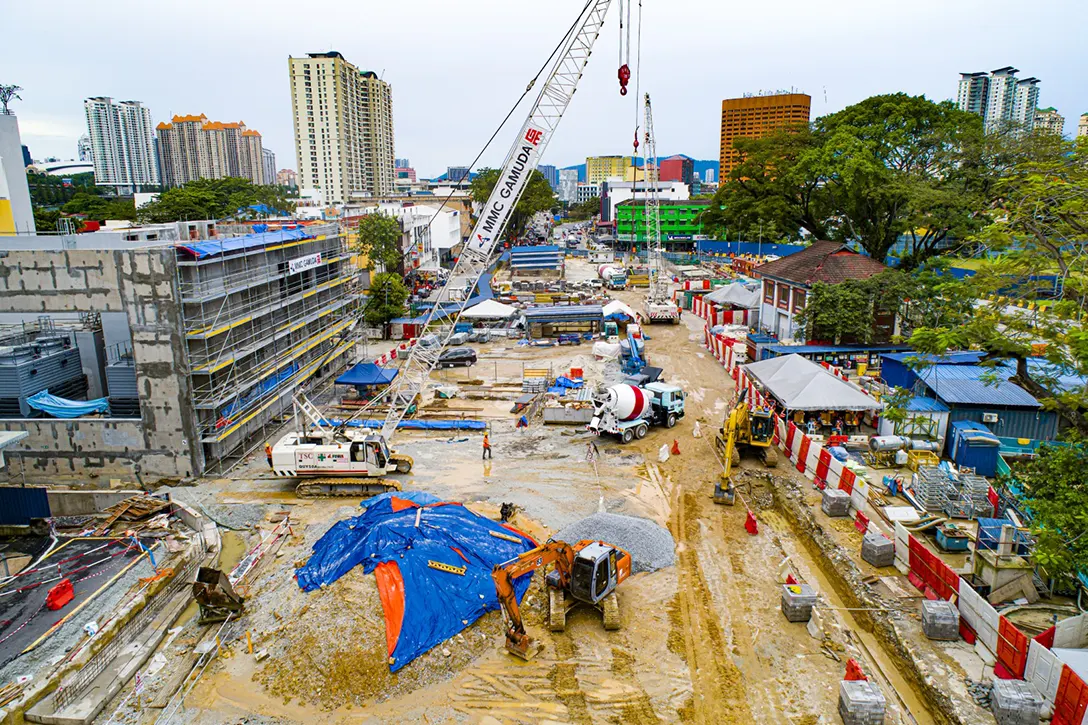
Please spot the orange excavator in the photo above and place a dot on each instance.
(586, 572)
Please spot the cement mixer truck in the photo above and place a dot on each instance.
(628, 411)
(613, 277)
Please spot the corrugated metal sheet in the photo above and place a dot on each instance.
(1037, 424)
(926, 405)
(19, 505)
(896, 374)
(972, 385)
(966, 357)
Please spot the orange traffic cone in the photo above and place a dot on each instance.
(750, 524)
(675, 447)
(853, 670)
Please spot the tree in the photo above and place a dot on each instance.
(45, 220)
(1034, 323)
(93, 206)
(538, 197)
(380, 240)
(7, 93)
(1056, 495)
(385, 299)
(889, 167)
(216, 199)
(586, 210)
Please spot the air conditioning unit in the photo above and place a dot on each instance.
(989, 417)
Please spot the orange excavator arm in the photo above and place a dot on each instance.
(559, 553)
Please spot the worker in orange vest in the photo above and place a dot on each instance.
(487, 447)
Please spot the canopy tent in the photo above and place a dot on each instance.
(735, 294)
(366, 374)
(616, 310)
(489, 310)
(800, 384)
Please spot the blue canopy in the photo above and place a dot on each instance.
(64, 408)
(432, 564)
(366, 373)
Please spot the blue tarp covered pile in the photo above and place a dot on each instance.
(63, 408)
(432, 562)
(222, 245)
(563, 384)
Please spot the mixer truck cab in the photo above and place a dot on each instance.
(667, 403)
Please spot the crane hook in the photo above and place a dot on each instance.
(625, 76)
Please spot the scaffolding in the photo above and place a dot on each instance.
(259, 321)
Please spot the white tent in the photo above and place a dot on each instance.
(489, 310)
(615, 306)
(735, 294)
(801, 384)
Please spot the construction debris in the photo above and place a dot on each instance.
(215, 595)
(135, 508)
(940, 620)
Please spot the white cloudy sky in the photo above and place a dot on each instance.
(455, 67)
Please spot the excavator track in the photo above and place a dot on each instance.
(610, 610)
(770, 456)
(557, 610)
(404, 463)
(346, 487)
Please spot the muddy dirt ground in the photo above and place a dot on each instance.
(703, 641)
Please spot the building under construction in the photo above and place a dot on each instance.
(223, 331)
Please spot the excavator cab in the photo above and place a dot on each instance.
(762, 426)
(593, 575)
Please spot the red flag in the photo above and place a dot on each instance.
(750, 524)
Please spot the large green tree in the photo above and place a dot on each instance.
(888, 167)
(100, 207)
(1029, 292)
(380, 240)
(586, 210)
(538, 197)
(1056, 493)
(385, 299)
(215, 199)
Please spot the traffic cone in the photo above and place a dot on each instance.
(853, 670)
(675, 447)
(791, 579)
(750, 524)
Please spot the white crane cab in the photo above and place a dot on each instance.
(300, 455)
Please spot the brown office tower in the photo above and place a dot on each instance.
(755, 116)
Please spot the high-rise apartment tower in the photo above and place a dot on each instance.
(122, 145)
(756, 116)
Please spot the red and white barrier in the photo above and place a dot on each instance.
(392, 354)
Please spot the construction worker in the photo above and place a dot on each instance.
(487, 447)
(268, 452)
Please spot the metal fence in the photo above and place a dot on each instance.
(79, 681)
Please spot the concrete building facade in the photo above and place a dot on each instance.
(551, 174)
(224, 330)
(1003, 100)
(1048, 120)
(287, 177)
(268, 167)
(756, 116)
(568, 185)
(192, 147)
(343, 120)
(16, 211)
(122, 143)
(677, 168)
(83, 149)
(431, 231)
(681, 222)
(603, 168)
(585, 192)
(1082, 125)
(616, 192)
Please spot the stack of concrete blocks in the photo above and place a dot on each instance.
(1015, 702)
(940, 620)
(861, 703)
(878, 549)
(835, 503)
(797, 602)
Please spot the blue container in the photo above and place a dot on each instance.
(972, 445)
(958, 542)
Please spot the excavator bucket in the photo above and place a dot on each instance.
(215, 595)
(524, 647)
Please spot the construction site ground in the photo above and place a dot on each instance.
(703, 641)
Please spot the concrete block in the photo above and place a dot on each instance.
(878, 550)
(940, 620)
(797, 602)
(1015, 702)
(861, 703)
(835, 502)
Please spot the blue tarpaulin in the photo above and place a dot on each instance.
(260, 390)
(366, 373)
(63, 408)
(432, 564)
(413, 424)
(200, 250)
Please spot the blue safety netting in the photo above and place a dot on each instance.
(411, 424)
(403, 542)
(64, 408)
(260, 390)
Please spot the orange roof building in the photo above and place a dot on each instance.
(193, 147)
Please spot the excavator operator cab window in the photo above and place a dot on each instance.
(376, 453)
(358, 453)
(762, 427)
(600, 579)
(581, 579)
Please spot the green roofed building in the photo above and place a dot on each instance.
(680, 223)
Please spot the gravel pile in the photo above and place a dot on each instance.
(651, 547)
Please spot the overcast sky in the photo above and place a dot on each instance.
(455, 67)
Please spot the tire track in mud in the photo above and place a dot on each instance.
(718, 688)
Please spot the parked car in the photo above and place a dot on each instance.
(457, 357)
